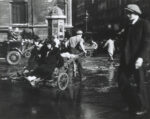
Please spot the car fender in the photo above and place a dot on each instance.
(17, 49)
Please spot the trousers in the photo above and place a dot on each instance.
(133, 89)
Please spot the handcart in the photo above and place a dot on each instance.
(63, 76)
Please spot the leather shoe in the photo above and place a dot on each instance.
(140, 113)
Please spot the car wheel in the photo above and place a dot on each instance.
(13, 57)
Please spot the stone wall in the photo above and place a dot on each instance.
(37, 12)
(4, 13)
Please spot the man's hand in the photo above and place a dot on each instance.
(85, 51)
(138, 63)
(39, 55)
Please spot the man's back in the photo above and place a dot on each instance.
(74, 41)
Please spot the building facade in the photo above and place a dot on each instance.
(30, 15)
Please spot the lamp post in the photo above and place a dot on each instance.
(68, 13)
(32, 16)
(86, 21)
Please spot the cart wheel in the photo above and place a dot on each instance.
(76, 73)
(27, 54)
(88, 54)
(95, 45)
(63, 81)
(13, 57)
(70, 72)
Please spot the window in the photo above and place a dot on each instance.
(93, 1)
(19, 12)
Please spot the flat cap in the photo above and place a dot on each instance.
(133, 8)
(79, 32)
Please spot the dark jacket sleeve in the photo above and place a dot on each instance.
(60, 60)
(145, 44)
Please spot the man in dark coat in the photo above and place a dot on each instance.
(35, 57)
(52, 60)
(134, 54)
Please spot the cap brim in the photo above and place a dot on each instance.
(132, 11)
(79, 33)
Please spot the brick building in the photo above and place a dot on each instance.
(31, 14)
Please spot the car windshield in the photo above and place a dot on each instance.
(3, 36)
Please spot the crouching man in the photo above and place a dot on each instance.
(50, 61)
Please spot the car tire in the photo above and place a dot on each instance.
(13, 57)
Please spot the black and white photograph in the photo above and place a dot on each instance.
(74, 59)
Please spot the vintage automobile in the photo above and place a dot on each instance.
(11, 50)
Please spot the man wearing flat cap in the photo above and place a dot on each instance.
(76, 46)
(135, 49)
(75, 43)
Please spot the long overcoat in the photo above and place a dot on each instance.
(136, 44)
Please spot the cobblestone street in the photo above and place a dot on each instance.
(96, 98)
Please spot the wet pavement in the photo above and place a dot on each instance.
(95, 98)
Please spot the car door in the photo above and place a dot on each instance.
(3, 49)
(3, 43)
